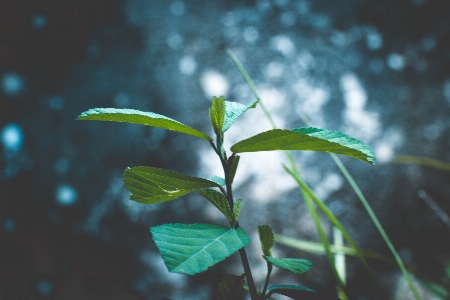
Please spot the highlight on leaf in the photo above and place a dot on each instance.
(234, 110)
(191, 249)
(139, 117)
(266, 238)
(309, 138)
(150, 185)
(295, 265)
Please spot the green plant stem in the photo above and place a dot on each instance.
(377, 224)
(266, 283)
(226, 164)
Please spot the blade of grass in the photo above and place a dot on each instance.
(339, 259)
(425, 161)
(377, 224)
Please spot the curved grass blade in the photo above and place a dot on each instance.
(139, 117)
(308, 138)
(266, 238)
(149, 185)
(425, 161)
(230, 287)
(234, 110)
(191, 249)
(295, 265)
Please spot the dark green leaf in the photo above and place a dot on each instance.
(140, 117)
(236, 210)
(310, 138)
(149, 185)
(295, 265)
(218, 180)
(191, 249)
(234, 110)
(266, 237)
(233, 167)
(230, 287)
(219, 201)
(217, 114)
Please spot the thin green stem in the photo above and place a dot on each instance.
(377, 224)
(226, 164)
(266, 283)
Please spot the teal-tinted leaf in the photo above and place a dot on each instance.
(140, 117)
(234, 110)
(295, 265)
(217, 114)
(266, 238)
(149, 185)
(191, 249)
(236, 210)
(230, 287)
(219, 201)
(218, 180)
(309, 138)
(233, 167)
(298, 293)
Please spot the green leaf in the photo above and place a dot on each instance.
(298, 293)
(217, 114)
(234, 110)
(233, 167)
(191, 249)
(230, 287)
(140, 117)
(218, 180)
(236, 210)
(219, 201)
(149, 185)
(309, 138)
(295, 265)
(266, 237)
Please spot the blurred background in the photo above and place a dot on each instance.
(377, 70)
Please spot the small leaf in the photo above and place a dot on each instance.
(218, 180)
(191, 249)
(219, 201)
(230, 287)
(266, 238)
(217, 114)
(233, 167)
(234, 110)
(310, 138)
(149, 185)
(236, 210)
(298, 293)
(295, 265)
(140, 117)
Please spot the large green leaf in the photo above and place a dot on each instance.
(219, 201)
(217, 114)
(295, 265)
(298, 293)
(149, 185)
(140, 117)
(266, 238)
(308, 138)
(191, 249)
(230, 287)
(233, 111)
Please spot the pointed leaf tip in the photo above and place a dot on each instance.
(314, 139)
(266, 238)
(191, 249)
(234, 110)
(139, 117)
(149, 185)
(295, 265)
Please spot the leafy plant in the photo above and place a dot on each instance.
(193, 248)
